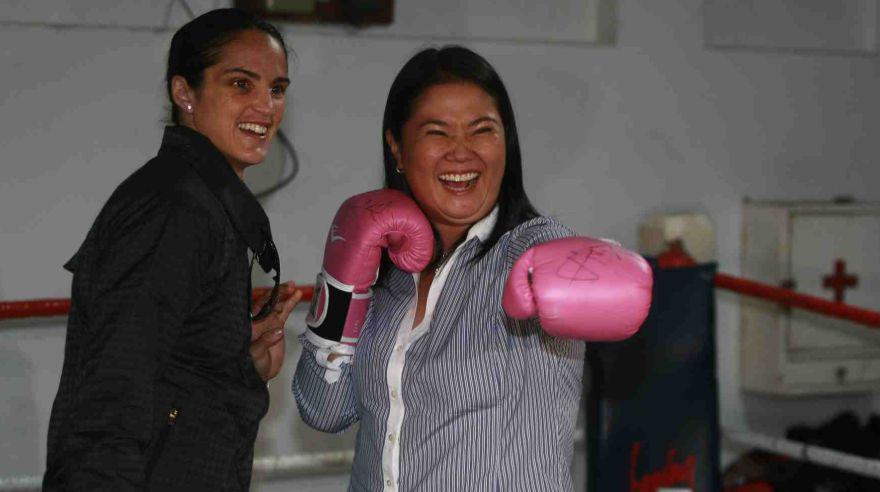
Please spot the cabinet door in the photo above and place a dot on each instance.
(821, 348)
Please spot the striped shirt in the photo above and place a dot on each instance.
(468, 400)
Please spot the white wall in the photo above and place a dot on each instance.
(610, 135)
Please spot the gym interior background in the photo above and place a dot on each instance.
(655, 107)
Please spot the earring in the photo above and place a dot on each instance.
(399, 171)
(189, 108)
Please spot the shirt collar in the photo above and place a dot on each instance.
(244, 211)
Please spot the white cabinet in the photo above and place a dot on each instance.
(792, 351)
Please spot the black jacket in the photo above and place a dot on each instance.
(158, 390)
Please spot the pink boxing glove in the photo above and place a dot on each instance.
(363, 225)
(581, 288)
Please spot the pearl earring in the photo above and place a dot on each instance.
(189, 108)
(399, 171)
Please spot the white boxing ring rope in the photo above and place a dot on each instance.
(265, 468)
(309, 464)
(807, 453)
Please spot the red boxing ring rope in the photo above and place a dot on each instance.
(674, 257)
(41, 308)
(791, 298)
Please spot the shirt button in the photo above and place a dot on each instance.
(399, 348)
(393, 394)
(389, 482)
(390, 437)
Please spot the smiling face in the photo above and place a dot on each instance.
(241, 99)
(452, 153)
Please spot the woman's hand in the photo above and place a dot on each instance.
(267, 334)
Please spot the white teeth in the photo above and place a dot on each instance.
(459, 177)
(259, 129)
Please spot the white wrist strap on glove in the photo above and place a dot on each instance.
(326, 348)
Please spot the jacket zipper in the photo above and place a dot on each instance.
(160, 443)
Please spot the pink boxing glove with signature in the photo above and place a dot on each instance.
(581, 288)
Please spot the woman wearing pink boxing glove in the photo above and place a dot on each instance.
(467, 375)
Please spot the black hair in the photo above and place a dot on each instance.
(196, 46)
(434, 66)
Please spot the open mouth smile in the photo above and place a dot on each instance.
(255, 129)
(459, 182)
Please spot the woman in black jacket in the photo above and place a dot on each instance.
(166, 360)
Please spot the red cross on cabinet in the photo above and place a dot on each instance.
(839, 281)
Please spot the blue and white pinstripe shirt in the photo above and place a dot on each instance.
(468, 400)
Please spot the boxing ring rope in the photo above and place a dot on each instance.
(269, 467)
(265, 468)
(676, 257)
(807, 453)
(42, 308)
(287, 466)
(791, 298)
